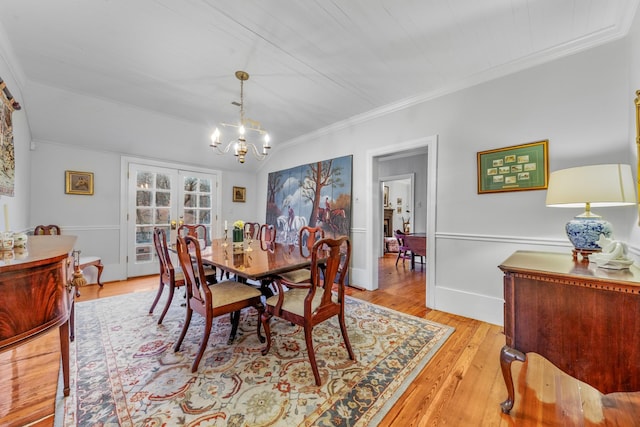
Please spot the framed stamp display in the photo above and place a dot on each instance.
(514, 168)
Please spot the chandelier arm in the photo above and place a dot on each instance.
(224, 150)
(256, 153)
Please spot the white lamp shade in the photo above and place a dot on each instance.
(598, 185)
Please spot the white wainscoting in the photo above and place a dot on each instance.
(358, 276)
(468, 280)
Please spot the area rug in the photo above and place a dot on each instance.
(126, 373)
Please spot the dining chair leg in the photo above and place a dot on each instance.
(100, 267)
(345, 337)
(264, 319)
(203, 344)
(312, 354)
(185, 327)
(157, 298)
(167, 305)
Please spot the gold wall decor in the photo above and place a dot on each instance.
(515, 168)
(78, 183)
(7, 159)
(239, 194)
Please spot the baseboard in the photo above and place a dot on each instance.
(476, 306)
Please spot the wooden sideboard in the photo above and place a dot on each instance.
(36, 294)
(583, 319)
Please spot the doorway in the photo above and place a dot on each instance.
(398, 203)
(165, 196)
(426, 217)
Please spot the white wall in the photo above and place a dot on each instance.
(580, 103)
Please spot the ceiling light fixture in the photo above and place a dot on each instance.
(241, 146)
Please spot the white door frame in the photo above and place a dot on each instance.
(373, 201)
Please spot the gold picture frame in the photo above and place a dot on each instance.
(239, 194)
(77, 182)
(514, 168)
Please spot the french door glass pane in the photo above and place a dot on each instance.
(153, 199)
(197, 201)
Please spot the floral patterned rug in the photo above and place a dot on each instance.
(125, 372)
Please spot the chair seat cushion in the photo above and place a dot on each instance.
(297, 276)
(178, 274)
(88, 260)
(230, 291)
(294, 300)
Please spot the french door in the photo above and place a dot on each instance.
(166, 198)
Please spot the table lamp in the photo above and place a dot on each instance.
(590, 186)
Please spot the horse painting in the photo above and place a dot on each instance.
(288, 233)
(335, 220)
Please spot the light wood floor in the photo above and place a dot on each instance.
(461, 386)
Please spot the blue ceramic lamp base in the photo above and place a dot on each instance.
(584, 232)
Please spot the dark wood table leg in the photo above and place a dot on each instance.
(507, 356)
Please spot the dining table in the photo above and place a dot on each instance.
(254, 260)
(417, 244)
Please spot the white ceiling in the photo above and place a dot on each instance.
(312, 63)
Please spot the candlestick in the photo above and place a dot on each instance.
(225, 224)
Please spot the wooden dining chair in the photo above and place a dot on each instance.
(170, 276)
(308, 236)
(252, 229)
(210, 301)
(199, 231)
(83, 261)
(267, 233)
(308, 304)
(404, 252)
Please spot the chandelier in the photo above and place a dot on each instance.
(240, 146)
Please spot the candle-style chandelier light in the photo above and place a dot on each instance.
(240, 145)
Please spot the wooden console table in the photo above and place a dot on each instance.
(36, 295)
(583, 319)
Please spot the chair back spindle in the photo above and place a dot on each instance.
(199, 231)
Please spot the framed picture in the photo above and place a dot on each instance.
(386, 196)
(79, 183)
(515, 168)
(239, 194)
